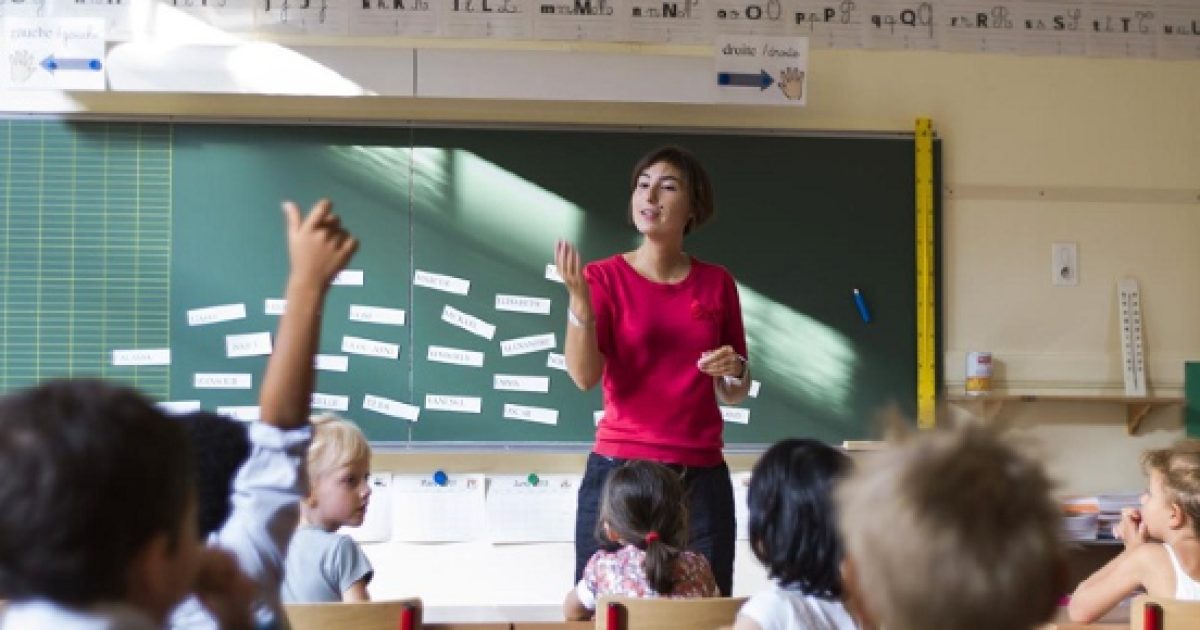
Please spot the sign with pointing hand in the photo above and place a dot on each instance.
(761, 70)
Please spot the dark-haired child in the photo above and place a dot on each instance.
(98, 528)
(793, 531)
(642, 531)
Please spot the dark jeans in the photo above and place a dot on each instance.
(711, 529)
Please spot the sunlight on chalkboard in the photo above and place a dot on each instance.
(497, 203)
(503, 209)
(798, 353)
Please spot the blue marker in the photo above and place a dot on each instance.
(861, 303)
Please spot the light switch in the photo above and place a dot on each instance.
(1064, 265)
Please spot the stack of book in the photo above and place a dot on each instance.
(1095, 517)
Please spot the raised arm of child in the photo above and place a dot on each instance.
(318, 248)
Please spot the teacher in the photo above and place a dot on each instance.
(663, 331)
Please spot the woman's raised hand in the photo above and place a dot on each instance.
(566, 259)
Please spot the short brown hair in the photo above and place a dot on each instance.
(695, 179)
(953, 529)
(1180, 468)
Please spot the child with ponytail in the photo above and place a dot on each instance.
(642, 531)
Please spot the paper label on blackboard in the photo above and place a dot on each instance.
(526, 345)
(455, 356)
(437, 281)
(469, 323)
(459, 404)
(330, 402)
(754, 387)
(370, 347)
(522, 304)
(552, 274)
(274, 306)
(376, 315)
(556, 361)
(208, 380)
(531, 414)
(216, 314)
(389, 407)
(179, 407)
(597, 416)
(736, 415)
(146, 356)
(332, 362)
(349, 278)
(248, 413)
(514, 383)
(248, 345)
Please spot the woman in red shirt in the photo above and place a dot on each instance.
(663, 331)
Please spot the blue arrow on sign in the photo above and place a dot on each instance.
(760, 80)
(66, 63)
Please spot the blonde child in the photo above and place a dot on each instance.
(642, 531)
(1162, 540)
(323, 565)
(953, 530)
(793, 531)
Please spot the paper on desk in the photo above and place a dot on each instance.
(377, 526)
(425, 512)
(741, 511)
(520, 512)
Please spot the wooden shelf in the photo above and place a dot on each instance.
(1136, 407)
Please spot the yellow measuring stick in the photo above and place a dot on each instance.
(926, 322)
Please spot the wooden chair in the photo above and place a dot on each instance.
(630, 613)
(1160, 613)
(404, 614)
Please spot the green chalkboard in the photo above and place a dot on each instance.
(801, 221)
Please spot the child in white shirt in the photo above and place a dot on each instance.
(793, 531)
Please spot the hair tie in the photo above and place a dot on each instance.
(651, 537)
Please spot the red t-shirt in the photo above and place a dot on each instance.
(657, 404)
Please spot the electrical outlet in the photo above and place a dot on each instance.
(1064, 265)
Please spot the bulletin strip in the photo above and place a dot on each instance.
(85, 267)
(1163, 29)
(1096, 194)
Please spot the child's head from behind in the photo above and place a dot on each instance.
(793, 529)
(1172, 501)
(219, 446)
(643, 505)
(952, 529)
(97, 498)
(339, 464)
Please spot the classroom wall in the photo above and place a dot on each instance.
(1034, 150)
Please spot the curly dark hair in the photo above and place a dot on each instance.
(219, 448)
